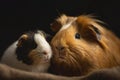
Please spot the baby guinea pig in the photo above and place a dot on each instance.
(31, 52)
(82, 45)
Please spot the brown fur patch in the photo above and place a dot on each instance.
(22, 38)
(34, 56)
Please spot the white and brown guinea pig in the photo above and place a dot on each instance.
(31, 52)
(82, 45)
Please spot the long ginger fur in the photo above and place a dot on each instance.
(97, 47)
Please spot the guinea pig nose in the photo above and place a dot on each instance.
(45, 53)
(60, 48)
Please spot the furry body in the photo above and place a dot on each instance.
(31, 52)
(83, 46)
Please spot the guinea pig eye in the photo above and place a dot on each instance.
(77, 36)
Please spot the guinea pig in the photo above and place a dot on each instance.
(82, 45)
(31, 52)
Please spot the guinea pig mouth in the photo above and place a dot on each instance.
(59, 58)
(60, 55)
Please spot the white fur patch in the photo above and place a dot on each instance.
(67, 25)
(9, 57)
(43, 45)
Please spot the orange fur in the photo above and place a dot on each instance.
(36, 59)
(93, 51)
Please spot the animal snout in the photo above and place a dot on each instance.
(60, 48)
(45, 53)
(60, 51)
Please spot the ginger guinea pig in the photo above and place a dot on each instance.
(31, 52)
(82, 45)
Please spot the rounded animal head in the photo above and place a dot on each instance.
(33, 48)
(79, 45)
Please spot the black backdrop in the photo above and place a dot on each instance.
(18, 16)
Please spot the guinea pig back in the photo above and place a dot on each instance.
(82, 45)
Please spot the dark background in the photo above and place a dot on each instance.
(18, 16)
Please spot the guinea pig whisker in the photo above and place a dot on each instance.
(74, 50)
(37, 55)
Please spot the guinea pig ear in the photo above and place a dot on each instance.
(55, 26)
(95, 32)
(23, 38)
